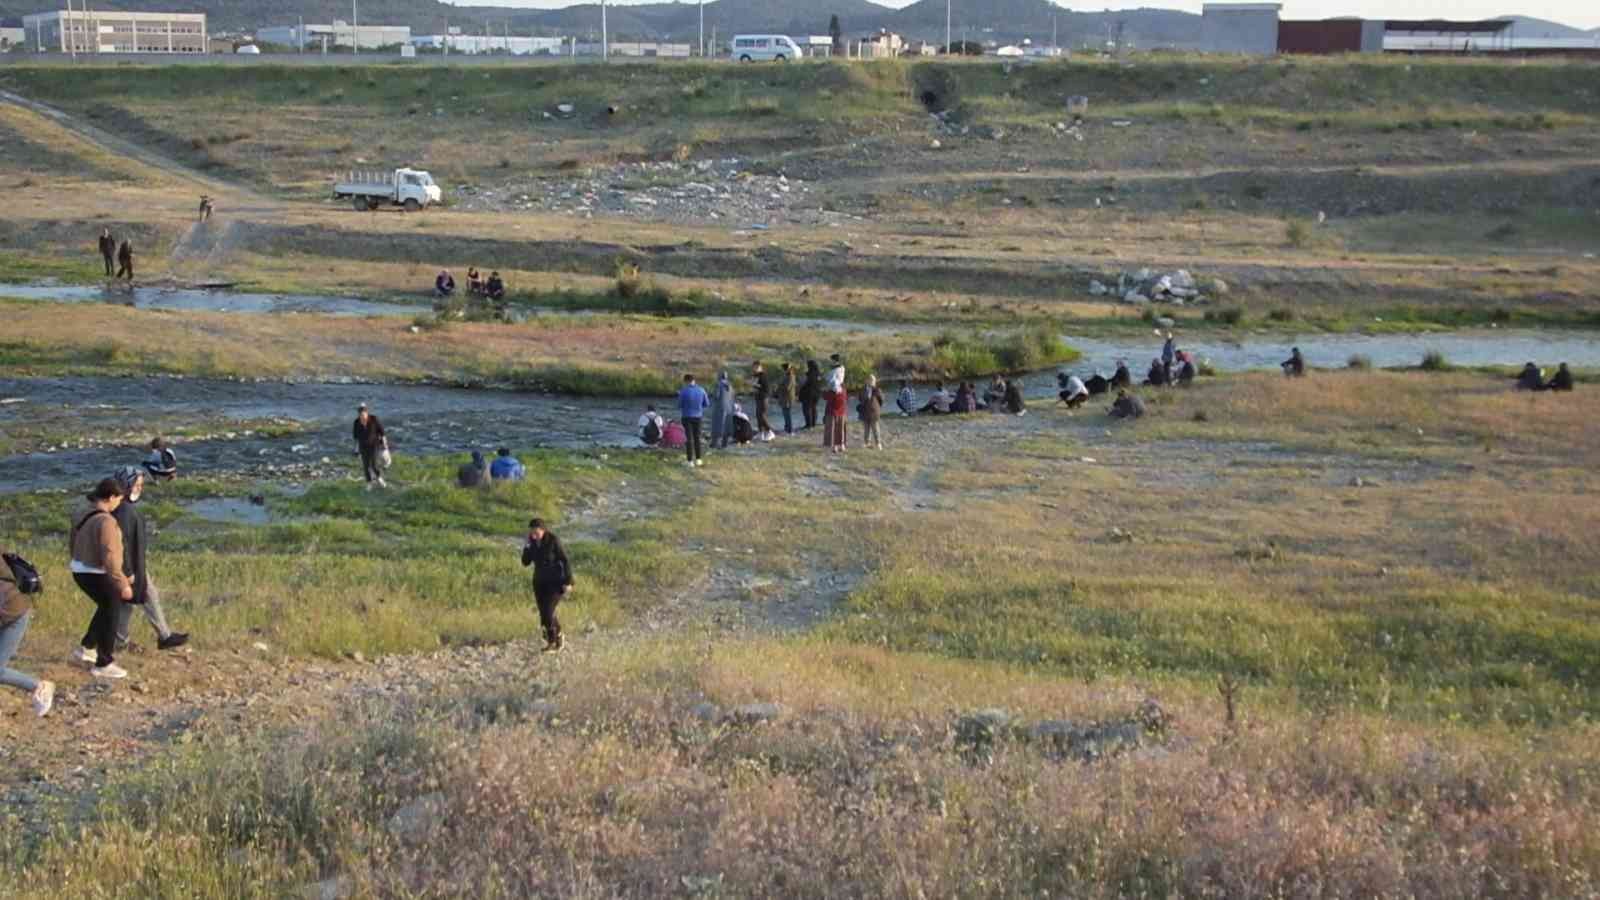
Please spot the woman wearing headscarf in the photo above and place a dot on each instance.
(135, 544)
(722, 412)
(95, 541)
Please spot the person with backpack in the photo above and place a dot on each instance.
(370, 439)
(162, 463)
(692, 406)
(473, 473)
(135, 542)
(870, 408)
(763, 427)
(95, 540)
(788, 392)
(16, 609)
(650, 426)
(506, 467)
(810, 393)
(552, 579)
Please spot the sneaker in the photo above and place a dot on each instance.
(700, 462)
(369, 487)
(382, 483)
(173, 641)
(44, 697)
(109, 670)
(85, 655)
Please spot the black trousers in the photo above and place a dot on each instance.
(369, 464)
(111, 262)
(126, 270)
(693, 445)
(809, 407)
(547, 598)
(102, 633)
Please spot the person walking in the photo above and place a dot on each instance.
(692, 406)
(370, 439)
(552, 579)
(763, 394)
(108, 250)
(833, 416)
(125, 261)
(870, 407)
(788, 391)
(810, 393)
(16, 609)
(96, 543)
(722, 412)
(135, 544)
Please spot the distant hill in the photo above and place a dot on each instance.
(1529, 27)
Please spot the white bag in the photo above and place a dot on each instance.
(385, 459)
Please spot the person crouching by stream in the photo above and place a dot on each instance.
(135, 544)
(369, 437)
(552, 579)
(96, 543)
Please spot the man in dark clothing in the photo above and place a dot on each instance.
(1562, 380)
(1013, 398)
(1122, 378)
(125, 261)
(369, 437)
(108, 250)
(1295, 365)
(1531, 378)
(788, 393)
(475, 473)
(495, 287)
(811, 394)
(135, 543)
(763, 391)
(1128, 406)
(552, 579)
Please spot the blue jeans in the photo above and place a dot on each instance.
(10, 640)
(788, 419)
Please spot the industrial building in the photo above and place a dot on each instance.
(338, 34)
(473, 44)
(648, 49)
(108, 31)
(12, 34)
(1240, 28)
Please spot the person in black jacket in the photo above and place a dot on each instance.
(1562, 380)
(763, 393)
(552, 579)
(369, 438)
(135, 543)
(811, 393)
(108, 250)
(125, 260)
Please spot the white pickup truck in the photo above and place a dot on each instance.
(410, 188)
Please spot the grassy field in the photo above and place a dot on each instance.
(1406, 666)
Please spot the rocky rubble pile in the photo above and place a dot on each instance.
(695, 192)
(1177, 287)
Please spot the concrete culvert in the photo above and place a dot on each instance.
(935, 89)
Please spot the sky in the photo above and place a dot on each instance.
(1578, 13)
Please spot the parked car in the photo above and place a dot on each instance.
(765, 48)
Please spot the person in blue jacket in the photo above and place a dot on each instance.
(692, 406)
(506, 467)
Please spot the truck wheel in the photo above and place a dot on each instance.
(780, 58)
(744, 59)
(360, 203)
(412, 205)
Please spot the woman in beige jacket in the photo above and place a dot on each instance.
(96, 543)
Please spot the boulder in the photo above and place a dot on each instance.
(753, 714)
(1096, 289)
(980, 730)
(1218, 287)
(706, 712)
(1182, 279)
(1134, 297)
(414, 820)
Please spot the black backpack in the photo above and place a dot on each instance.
(25, 575)
(652, 432)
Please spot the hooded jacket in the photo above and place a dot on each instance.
(475, 473)
(788, 388)
(722, 400)
(95, 540)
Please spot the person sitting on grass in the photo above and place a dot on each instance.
(1157, 376)
(162, 463)
(1127, 406)
(966, 399)
(1013, 398)
(906, 399)
(1562, 380)
(444, 284)
(506, 467)
(1074, 393)
(996, 394)
(495, 287)
(1531, 378)
(1295, 365)
(650, 426)
(743, 431)
(1186, 372)
(475, 473)
(939, 402)
(474, 281)
(673, 437)
(1120, 379)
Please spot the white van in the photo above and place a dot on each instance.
(760, 47)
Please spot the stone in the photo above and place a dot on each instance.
(1218, 287)
(979, 730)
(415, 818)
(753, 714)
(1134, 297)
(1165, 321)
(706, 712)
(1182, 279)
(335, 888)
(1096, 289)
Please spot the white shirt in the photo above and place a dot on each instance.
(1075, 387)
(941, 400)
(649, 417)
(836, 379)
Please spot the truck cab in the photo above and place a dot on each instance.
(415, 184)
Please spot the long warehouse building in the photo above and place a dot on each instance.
(110, 31)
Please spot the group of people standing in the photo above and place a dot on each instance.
(120, 254)
(731, 424)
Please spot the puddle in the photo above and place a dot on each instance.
(192, 299)
(229, 512)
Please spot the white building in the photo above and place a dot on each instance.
(107, 31)
(472, 44)
(1240, 28)
(12, 34)
(339, 34)
(618, 48)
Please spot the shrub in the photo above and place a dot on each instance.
(1231, 315)
(1281, 314)
(629, 281)
(1359, 361)
(1297, 233)
(1434, 361)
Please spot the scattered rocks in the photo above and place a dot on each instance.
(710, 713)
(1097, 289)
(753, 714)
(1119, 536)
(415, 818)
(1086, 741)
(1145, 286)
(335, 888)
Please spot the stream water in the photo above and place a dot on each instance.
(192, 299)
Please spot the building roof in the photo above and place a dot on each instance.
(1447, 26)
(1241, 7)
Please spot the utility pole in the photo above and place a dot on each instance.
(355, 30)
(1053, 45)
(300, 35)
(605, 37)
(702, 29)
(946, 26)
